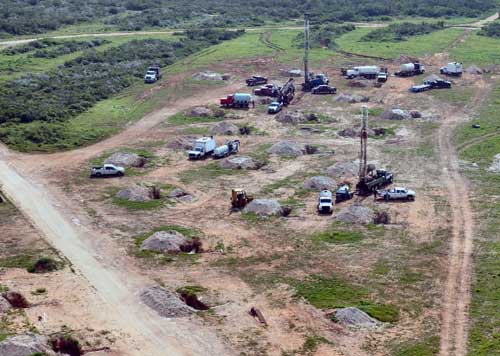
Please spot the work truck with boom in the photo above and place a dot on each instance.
(203, 147)
(410, 69)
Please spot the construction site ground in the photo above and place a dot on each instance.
(420, 264)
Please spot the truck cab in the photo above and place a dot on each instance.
(325, 202)
(153, 74)
(343, 193)
(203, 148)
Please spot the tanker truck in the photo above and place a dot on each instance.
(238, 100)
(410, 69)
(368, 72)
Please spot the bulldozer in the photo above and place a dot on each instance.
(239, 198)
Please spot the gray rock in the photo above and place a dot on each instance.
(355, 317)
(240, 162)
(226, 76)
(356, 214)
(207, 75)
(290, 117)
(264, 207)
(188, 198)
(396, 114)
(225, 128)
(126, 159)
(177, 193)
(25, 345)
(294, 73)
(286, 148)
(320, 183)
(200, 111)
(352, 98)
(135, 193)
(4, 305)
(415, 114)
(473, 69)
(495, 165)
(182, 143)
(164, 241)
(343, 169)
(166, 303)
(348, 132)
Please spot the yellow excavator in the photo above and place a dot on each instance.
(239, 198)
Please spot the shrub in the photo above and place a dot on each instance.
(401, 31)
(43, 265)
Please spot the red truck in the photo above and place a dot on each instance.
(237, 100)
(267, 90)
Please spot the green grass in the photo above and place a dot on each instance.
(180, 119)
(415, 46)
(139, 205)
(25, 260)
(457, 95)
(338, 237)
(327, 293)
(478, 50)
(191, 290)
(427, 347)
(206, 173)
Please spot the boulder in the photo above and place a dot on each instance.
(165, 302)
(135, 193)
(240, 162)
(207, 75)
(226, 76)
(164, 241)
(126, 159)
(352, 98)
(348, 132)
(495, 165)
(415, 114)
(310, 149)
(355, 317)
(264, 207)
(293, 72)
(286, 148)
(320, 183)
(200, 111)
(396, 114)
(473, 69)
(290, 117)
(356, 214)
(225, 128)
(188, 198)
(25, 345)
(4, 305)
(177, 193)
(182, 143)
(343, 169)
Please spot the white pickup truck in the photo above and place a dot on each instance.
(397, 194)
(108, 170)
(325, 202)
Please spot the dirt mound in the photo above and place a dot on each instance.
(402, 59)
(495, 165)
(240, 162)
(16, 299)
(343, 169)
(396, 114)
(135, 193)
(225, 128)
(320, 183)
(165, 302)
(264, 207)
(286, 148)
(25, 345)
(164, 241)
(355, 317)
(473, 69)
(352, 98)
(4, 305)
(182, 143)
(356, 214)
(200, 111)
(291, 117)
(207, 75)
(126, 159)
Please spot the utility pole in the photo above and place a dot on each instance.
(364, 139)
(306, 51)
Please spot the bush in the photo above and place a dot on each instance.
(401, 31)
(43, 265)
(491, 30)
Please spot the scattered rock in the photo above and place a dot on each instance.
(4, 305)
(182, 143)
(135, 193)
(312, 117)
(164, 241)
(396, 114)
(310, 149)
(348, 132)
(226, 76)
(495, 165)
(356, 214)
(352, 98)
(343, 169)
(126, 159)
(225, 128)
(200, 111)
(382, 218)
(355, 317)
(177, 193)
(290, 117)
(264, 207)
(207, 75)
(379, 131)
(245, 130)
(188, 198)
(358, 83)
(473, 69)
(415, 114)
(320, 183)
(240, 162)
(286, 148)
(25, 345)
(165, 302)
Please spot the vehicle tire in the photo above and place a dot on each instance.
(411, 198)
(120, 174)
(386, 197)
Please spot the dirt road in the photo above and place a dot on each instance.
(111, 276)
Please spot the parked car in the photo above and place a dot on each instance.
(397, 194)
(108, 170)
(324, 89)
(256, 80)
(274, 107)
(439, 84)
(420, 88)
